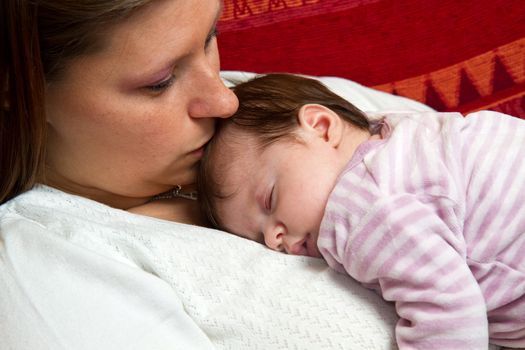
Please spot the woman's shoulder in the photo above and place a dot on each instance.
(60, 258)
(47, 206)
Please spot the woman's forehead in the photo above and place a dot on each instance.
(161, 33)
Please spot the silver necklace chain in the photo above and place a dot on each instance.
(175, 192)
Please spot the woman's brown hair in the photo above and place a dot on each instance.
(38, 40)
(268, 111)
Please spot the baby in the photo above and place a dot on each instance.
(426, 208)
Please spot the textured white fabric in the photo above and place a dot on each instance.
(75, 274)
(71, 277)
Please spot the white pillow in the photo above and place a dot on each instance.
(364, 98)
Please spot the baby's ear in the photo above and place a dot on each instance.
(321, 121)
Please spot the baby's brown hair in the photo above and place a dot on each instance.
(268, 111)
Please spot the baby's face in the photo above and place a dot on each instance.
(279, 193)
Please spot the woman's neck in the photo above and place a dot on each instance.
(181, 210)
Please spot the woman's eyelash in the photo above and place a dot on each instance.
(213, 34)
(163, 85)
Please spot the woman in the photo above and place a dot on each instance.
(111, 101)
(126, 79)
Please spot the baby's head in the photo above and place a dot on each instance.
(267, 173)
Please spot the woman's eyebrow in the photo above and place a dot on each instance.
(153, 76)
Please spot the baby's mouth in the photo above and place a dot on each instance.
(310, 245)
(307, 244)
(301, 247)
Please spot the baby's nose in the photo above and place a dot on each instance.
(273, 237)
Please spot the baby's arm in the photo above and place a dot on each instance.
(420, 264)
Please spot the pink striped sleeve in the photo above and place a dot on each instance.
(401, 245)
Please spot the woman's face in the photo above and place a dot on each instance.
(131, 121)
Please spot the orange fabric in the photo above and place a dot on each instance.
(452, 55)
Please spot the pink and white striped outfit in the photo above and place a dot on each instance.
(433, 217)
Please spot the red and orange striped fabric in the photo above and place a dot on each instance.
(452, 55)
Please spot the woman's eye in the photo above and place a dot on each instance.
(213, 34)
(161, 86)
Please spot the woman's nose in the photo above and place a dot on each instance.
(212, 98)
(274, 237)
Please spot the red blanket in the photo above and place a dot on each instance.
(452, 55)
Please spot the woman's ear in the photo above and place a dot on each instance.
(321, 121)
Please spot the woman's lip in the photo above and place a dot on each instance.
(199, 152)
